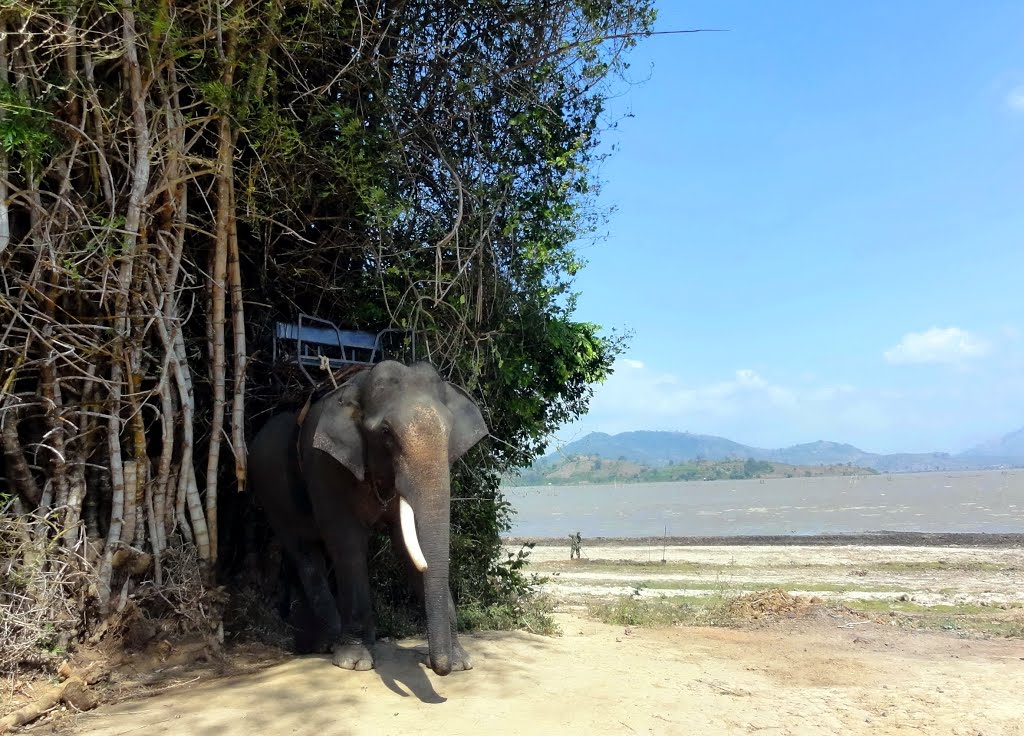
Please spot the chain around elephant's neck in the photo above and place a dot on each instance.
(384, 502)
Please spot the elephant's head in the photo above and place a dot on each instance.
(402, 427)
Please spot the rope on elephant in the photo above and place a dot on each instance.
(335, 379)
(339, 377)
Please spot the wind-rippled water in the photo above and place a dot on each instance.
(989, 501)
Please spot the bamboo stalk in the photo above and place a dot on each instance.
(128, 505)
(143, 501)
(73, 510)
(82, 503)
(155, 535)
(171, 513)
(139, 121)
(173, 403)
(90, 504)
(224, 216)
(18, 471)
(130, 509)
(134, 532)
(117, 486)
(168, 417)
(239, 358)
(51, 394)
(130, 515)
(103, 174)
(188, 490)
(5, 174)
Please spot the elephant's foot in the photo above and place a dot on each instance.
(355, 656)
(460, 658)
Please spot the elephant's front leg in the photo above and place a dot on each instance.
(354, 648)
(460, 658)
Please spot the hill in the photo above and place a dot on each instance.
(583, 469)
(1008, 446)
(654, 449)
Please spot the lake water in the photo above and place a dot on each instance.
(989, 501)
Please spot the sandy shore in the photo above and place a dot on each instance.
(954, 575)
(881, 538)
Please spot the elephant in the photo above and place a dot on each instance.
(374, 452)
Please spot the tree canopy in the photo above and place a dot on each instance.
(178, 176)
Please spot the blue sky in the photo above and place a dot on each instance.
(818, 226)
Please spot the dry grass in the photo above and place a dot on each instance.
(43, 592)
(770, 603)
(663, 611)
(723, 609)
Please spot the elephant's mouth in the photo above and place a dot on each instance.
(407, 519)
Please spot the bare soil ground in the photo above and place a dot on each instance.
(812, 669)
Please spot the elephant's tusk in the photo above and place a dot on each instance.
(412, 544)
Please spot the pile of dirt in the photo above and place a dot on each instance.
(770, 603)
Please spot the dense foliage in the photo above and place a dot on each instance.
(176, 177)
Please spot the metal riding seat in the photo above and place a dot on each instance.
(319, 343)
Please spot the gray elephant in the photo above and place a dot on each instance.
(374, 452)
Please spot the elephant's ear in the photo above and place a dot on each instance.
(468, 426)
(337, 431)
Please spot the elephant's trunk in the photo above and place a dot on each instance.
(424, 508)
(436, 592)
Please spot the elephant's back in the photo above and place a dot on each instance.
(272, 443)
(271, 457)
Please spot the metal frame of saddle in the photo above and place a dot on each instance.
(313, 341)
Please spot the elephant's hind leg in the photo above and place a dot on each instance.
(311, 569)
(309, 635)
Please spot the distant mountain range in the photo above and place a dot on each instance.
(655, 449)
(1008, 446)
(585, 469)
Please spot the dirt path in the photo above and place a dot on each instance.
(814, 676)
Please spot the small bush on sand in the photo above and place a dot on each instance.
(632, 610)
(513, 600)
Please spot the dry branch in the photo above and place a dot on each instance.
(74, 691)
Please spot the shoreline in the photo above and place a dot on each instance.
(879, 538)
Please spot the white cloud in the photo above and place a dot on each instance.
(1015, 98)
(827, 393)
(744, 405)
(941, 410)
(642, 391)
(949, 345)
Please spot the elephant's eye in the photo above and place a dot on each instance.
(388, 438)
